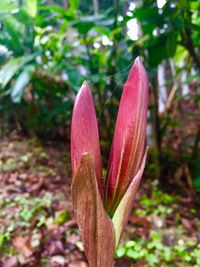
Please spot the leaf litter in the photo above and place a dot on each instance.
(37, 225)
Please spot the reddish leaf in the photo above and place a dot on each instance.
(78, 264)
(23, 246)
(96, 228)
(11, 262)
(142, 221)
(187, 223)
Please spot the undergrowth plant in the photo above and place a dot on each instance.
(102, 206)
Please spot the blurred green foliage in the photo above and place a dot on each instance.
(47, 49)
(154, 252)
(165, 245)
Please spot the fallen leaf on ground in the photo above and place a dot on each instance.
(23, 246)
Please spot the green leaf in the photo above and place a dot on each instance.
(75, 77)
(96, 228)
(181, 54)
(102, 31)
(20, 84)
(122, 212)
(120, 251)
(2, 237)
(7, 6)
(156, 54)
(196, 173)
(31, 7)
(62, 217)
(133, 254)
(12, 67)
(14, 31)
(85, 23)
(171, 45)
(23, 17)
(52, 9)
(74, 4)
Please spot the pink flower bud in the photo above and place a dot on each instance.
(84, 132)
(129, 140)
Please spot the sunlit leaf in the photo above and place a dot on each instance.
(20, 84)
(14, 31)
(52, 9)
(7, 6)
(74, 4)
(31, 6)
(12, 67)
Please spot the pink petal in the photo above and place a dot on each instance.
(84, 132)
(129, 137)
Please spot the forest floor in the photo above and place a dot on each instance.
(37, 225)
